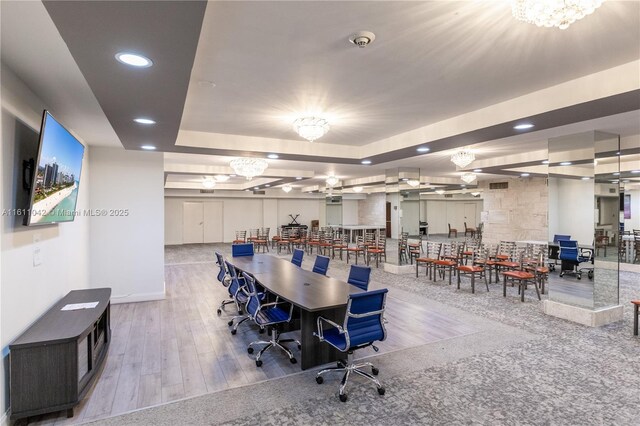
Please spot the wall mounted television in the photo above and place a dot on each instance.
(55, 176)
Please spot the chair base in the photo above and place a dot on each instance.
(350, 367)
(223, 304)
(274, 342)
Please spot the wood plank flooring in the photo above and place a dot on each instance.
(166, 350)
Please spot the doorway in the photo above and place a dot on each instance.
(202, 222)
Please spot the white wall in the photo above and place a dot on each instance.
(27, 291)
(127, 251)
(410, 220)
(634, 222)
(243, 213)
(349, 212)
(438, 213)
(575, 209)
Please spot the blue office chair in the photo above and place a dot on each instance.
(238, 250)
(359, 276)
(297, 257)
(554, 250)
(571, 257)
(560, 237)
(363, 325)
(238, 293)
(321, 266)
(225, 280)
(268, 315)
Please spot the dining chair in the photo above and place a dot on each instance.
(363, 325)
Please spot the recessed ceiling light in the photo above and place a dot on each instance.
(272, 156)
(221, 178)
(366, 162)
(545, 162)
(565, 163)
(614, 181)
(523, 126)
(463, 185)
(148, 147)
(257, 187)
(423, 149)
(477, 170)
(144, 120)
(267, 186)
(635, 171)
(405, 179)
(586, 178)
(134, 59)
(616, 173)
(626, 181)
(299, 178)
(247, 190)
(524, 174)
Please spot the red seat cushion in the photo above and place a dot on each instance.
(636, 302)
(502, 256)
(468, 268)
(508, 264)
(443, 262)
(519, 275)
(425, 259)
(542, 270)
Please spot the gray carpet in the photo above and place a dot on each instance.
(524, 368)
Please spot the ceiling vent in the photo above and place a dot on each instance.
(259, 192)
(362, 38)
(207, 191)
(499, 185)
(448, 195)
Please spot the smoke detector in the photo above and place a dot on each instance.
(362, 38)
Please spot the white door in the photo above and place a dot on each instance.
(470, 214)
(213, 222)
(192, 223)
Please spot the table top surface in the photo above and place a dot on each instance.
(305, 289)
(362, 227)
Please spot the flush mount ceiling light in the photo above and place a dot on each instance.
(422, 149)
(134, 59)
(463, 158)
(468, 177)
(357, 188)
(287, 188)
(311, 128)
(413, 182)
(523, 126)
(545, 162)
(142, 120)
(273, 156)
(222, 178)
(524, 174)
(148, 147)
(208, 183)
(440, 191)
(475, 194)
(565, 163)
(249, 167)
(553, 13)
(332, 181)
(365, 162)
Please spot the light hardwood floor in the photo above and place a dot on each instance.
(176, 348)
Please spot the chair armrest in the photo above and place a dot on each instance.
(320, 333)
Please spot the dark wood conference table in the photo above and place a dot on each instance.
(312, 294)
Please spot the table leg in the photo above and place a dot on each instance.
(314, 352)
(504, 286)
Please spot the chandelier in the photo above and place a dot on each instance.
(553, 13)
(332, 181)
(413, 182)
(357, 188)
(287, 188)
(463, 158)
(468, 177)
(249, 167)
(208, 183)
(311, 128)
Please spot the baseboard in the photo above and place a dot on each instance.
(140, 297)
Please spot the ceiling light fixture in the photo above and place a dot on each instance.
(585, 178)
(311, 128)
(365, 162)
(332, 181)
(413, 182)
(267, 186)
(545, 162)
(440, 191)
(565, 163)
(287, 188)
(553, 13)
(134, 59)
(468, 177)
(362, 38)
(524, 174)
(273, 156)
(148, 147)
(357, 188)
(142, 120)
(523, 126)
(423, 149)
(477, 170)
(208, 183)
(299, 178)
(475, 194)
(463, 158)
(635, 171)
(221, 178)
(249, 167)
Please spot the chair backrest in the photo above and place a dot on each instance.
(253, 300)
(359, 276)
(241, 236)
(296, 259)
(568, 249)
(433, 250)
(222, 273)
(363, 321)
(234, 284)
(449, 225)
(321, 265)
(245, 249)
(559, 237)
(253, 233)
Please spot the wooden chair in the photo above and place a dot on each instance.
(379, 250)
(253, 234)
(523, 278)
(340, 244)
(453, 231)
(474, 270)
(284, 242)
(314, 241)
(358, 249)
(431, 255)
(241, 237)
(470, 231)
(446, 261)
(262, 240)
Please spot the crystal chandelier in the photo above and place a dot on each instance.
(468, 177)
(357, 188)
(553, 13)
(463, 158)
(311, 128)
(249, 167)
(287, 188)
(208, 183)
(413, 182)
(332, 181)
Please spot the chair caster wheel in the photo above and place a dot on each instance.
(259, 363)
(230, 323)
(374, 371)
(233, 332)
(579, 277)
(219, 312)
(343, 397)
(590, 275)
(319, 380)
(239, 312)
(561, 274)
(381, 391)
(293, 360)
(250, 350)
(299, 347)
(261, 331)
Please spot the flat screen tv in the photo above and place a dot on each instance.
(56, 175)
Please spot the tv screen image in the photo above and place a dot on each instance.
(54, 188)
